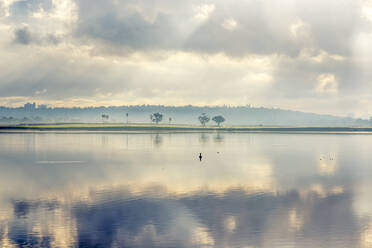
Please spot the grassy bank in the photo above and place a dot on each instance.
(162, 127)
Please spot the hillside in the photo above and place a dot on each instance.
(244, 115)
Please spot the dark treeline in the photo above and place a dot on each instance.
(242, 115)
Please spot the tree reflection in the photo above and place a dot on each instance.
(203, 138)
(158, 140)
(104, 140)
(219, 138)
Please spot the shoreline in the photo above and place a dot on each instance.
(107, 127)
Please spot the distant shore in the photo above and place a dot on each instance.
(168, 127)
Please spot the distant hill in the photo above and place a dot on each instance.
(244, 115)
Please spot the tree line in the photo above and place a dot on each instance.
(158, 117)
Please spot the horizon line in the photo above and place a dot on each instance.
(36, 107)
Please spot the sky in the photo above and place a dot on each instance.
(308, 55)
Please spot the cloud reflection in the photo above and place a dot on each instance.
(132, 194)
(116, 218)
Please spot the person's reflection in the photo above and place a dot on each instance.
(127, 141)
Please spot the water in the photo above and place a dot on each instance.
(151, 190)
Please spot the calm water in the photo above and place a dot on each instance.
(151, 190)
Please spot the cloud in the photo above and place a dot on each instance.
(2, 10)
(204, 11)
(327, 83)
(367, 10)
(264, 29)
(41, 22)
(126, 24)
(203, 27)
(229, 24)
(22, 36)
(22, 10)
(162, 51)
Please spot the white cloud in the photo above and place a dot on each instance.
(203, 11)
(230, 223)
(319, 56)
(6, 4)
(229, 24)
(366, 10)
(39, 92)
(300, 30)
(327, 83)
(159, 52)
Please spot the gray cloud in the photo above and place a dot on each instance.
(125, 25)
(22, 10)
(161, 51)
(297, 78)
(59, 78)
(22, 36)
(262, 27)
(253, 34)
(2, 11)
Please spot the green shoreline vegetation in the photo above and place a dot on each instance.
(173, 127)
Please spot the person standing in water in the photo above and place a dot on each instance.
(200, 157)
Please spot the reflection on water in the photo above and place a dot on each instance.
(150, 190)
(158, 140)
(218, 138)
(203, 138)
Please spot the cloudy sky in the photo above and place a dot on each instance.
(309, 55)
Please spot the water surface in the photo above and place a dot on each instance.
(151, 190)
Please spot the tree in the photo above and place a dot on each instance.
(170, 120)
(218, 119)
(204, 118)
(25, 119)
(105, 117)
(127, 116)
(156, 117)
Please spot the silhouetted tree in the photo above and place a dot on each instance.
(218, 119)
(127, 116)
(37, 118)
(104, 117)
(8, 119)
(25, 119)
(156, 117)
(170, 120)
(204, 118)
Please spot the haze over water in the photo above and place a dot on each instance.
(151, 190)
